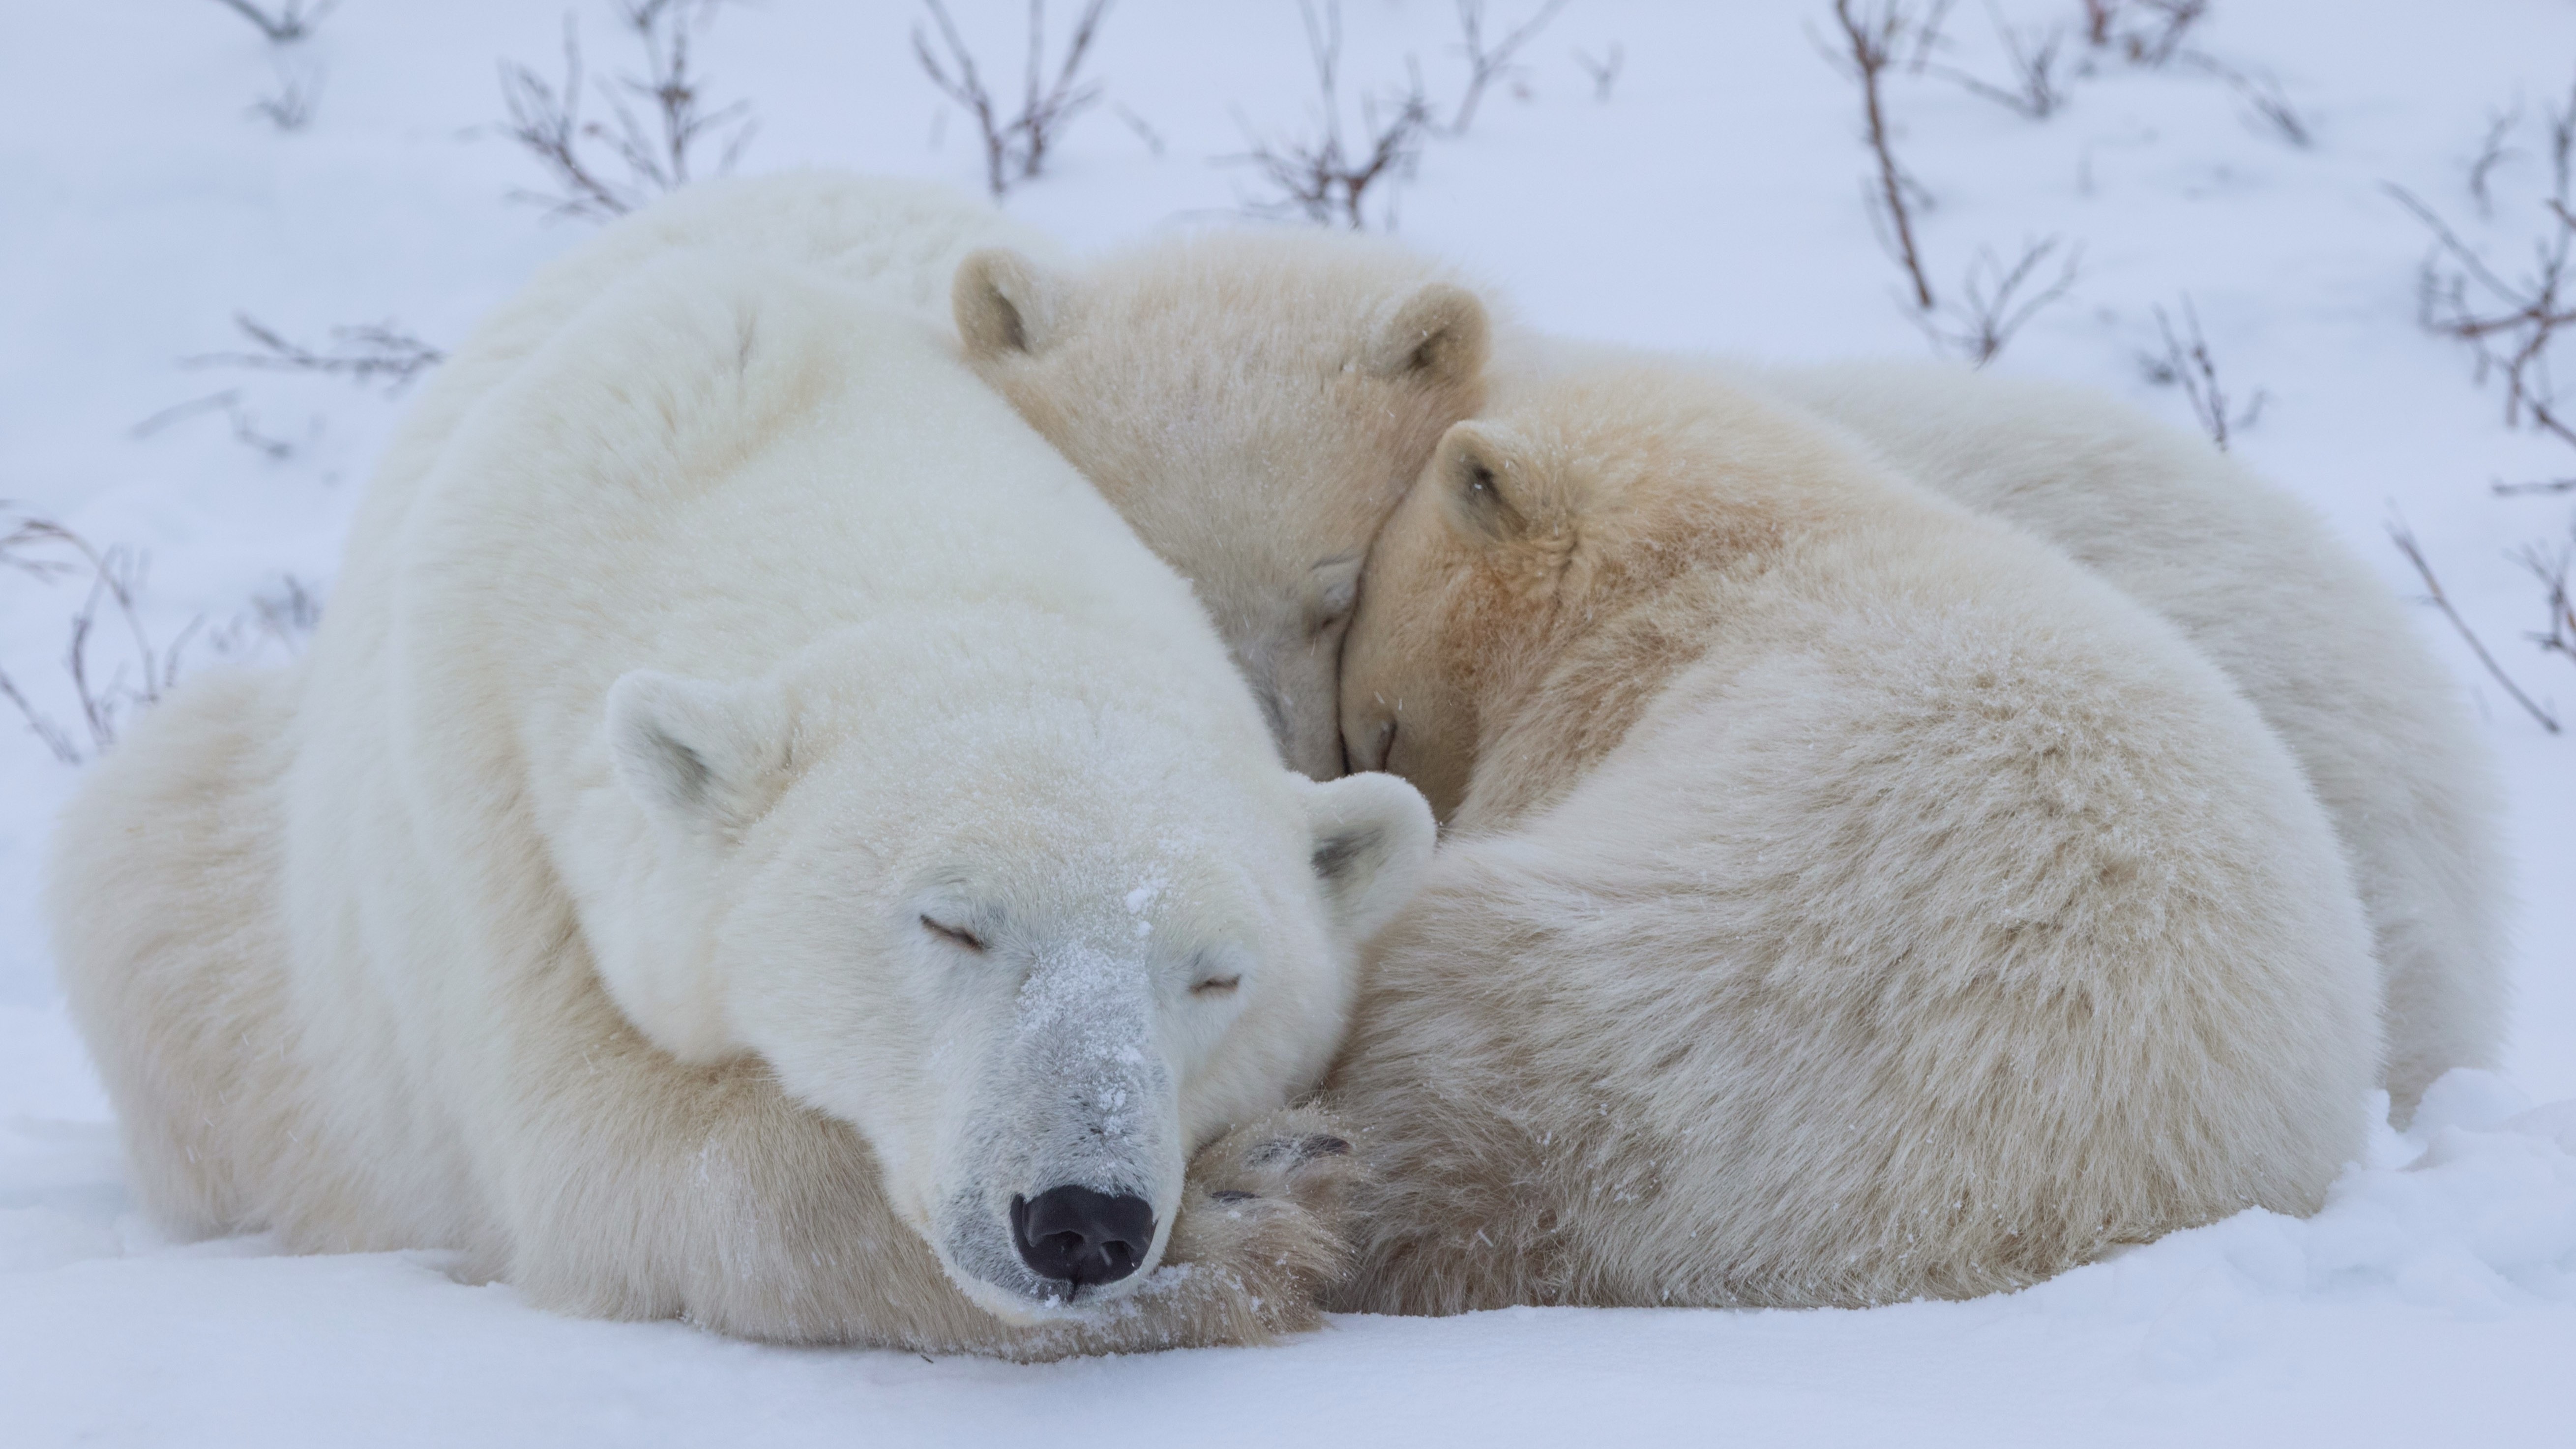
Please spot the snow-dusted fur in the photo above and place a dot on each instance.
(1848, 898)
(751, 811)
(1255, 403)
(2257, 581)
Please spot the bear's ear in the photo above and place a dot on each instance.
(1437, 337)
(1373, 837)
(705, 759)
(1007, 303)
(1494, 487)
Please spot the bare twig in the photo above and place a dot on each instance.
(658, 155)
(1324, 180)
(2514, 334)
(2098, 15)
(1870, 44)
(290, 107)
(2502, 489)
(294, 20)
(1995, 300)
(1152, 138)
(2399, 534)
(2263, 95)
(369, 353)
(46, 550)
(2035, 91)
(2170, 23)
(1483, 64)
(1605, 71)
(2492, 152)
(2188, 363)
(1015, 150)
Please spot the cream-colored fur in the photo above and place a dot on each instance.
(2256, 581)
(2260, 585)
(750, 811)
(1847, 898)
(1254, 403)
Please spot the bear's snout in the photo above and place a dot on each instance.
(1075, 1236)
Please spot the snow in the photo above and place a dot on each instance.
(1712, 201)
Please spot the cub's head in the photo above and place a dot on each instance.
(1538, 527)
(1036, 947)
(1254, 403)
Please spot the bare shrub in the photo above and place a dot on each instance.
(1870, 43)
(290, 107)
(1015, 150)
(367, 354)
(2166, 25)
(1487, 63)
(2037, 90)
(2404, 538)
(1324, 179)
(1994, 300)
(46, 551)
(2098, 15)
(642, 158)
(2509, 324)
(2263, 96)
(2186, 362)
(2493, 152)
(1605, 71)
(293, 20)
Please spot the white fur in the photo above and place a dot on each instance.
(570, 903)
(2260, 585)
(1848, 899)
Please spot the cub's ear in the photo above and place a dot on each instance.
(1437, 337)
(1373, 837)
(1007, 303)
(1494, 486)
(705, 759)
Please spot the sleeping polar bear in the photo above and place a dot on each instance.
(756, 839)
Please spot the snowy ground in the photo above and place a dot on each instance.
(1712, 201)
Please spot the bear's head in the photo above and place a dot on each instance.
(1563, 519)
(1254, 403)
(1035, 937)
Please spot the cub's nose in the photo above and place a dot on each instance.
(1078, 1236)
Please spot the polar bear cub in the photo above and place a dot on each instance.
(1848, 898)
(2258, 583)
(1254, 403)
(756, 839)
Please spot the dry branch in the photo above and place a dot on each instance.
(1485, 64)
(294, 20)
(1015, 150)
(1995, 300)
(1605, 71)
(2187, 363)
(1870, 45)
(656, 156)
(2399, 534)
(368, 353)
(1324, 180)
(2512, 324)
(45, 550)
(2036, 91)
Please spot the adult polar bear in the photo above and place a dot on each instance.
(755, 839)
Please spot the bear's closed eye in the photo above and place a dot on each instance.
(954, 935)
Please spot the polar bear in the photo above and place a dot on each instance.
(1847, 898)
(1255, 403)
(2259, 584)
(756, 839)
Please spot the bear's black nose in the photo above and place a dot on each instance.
(1079, 1236)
